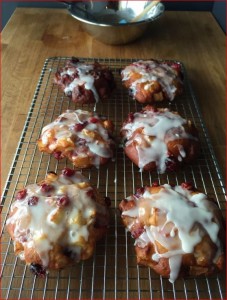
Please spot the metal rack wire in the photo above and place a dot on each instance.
(112, 273)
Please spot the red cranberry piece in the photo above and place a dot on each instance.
(187, 185)
(65, 78)
(131, 117)
(171, 164)
(38, 270)
(137, 232)
(176, 66)
(91, 194)
(68, 172)
(155, 184)
(33, 200)
(75, 75)
(57, 155)
(107, 201)
(45, 188)
(94, 120)
(154, 109)
(139, 192)
(79, 127)
(63, 201)
(147, 67)
(21, 194)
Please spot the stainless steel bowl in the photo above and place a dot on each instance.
(115, 22)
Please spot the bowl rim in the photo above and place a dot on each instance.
(148, 20)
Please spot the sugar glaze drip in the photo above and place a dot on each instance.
(152, 71)
(183, 219)
(151, 139)
(84, 77)
(93, 135)
(46, 224)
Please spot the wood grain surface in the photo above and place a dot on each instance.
(34, 34)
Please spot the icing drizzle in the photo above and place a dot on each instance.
(45, 224)
(150, 72)
(83, 131)
(84, 77)
(151, 140)
(182, 219)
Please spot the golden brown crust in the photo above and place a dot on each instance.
(153, 81)
(81, 136)
(207, 256)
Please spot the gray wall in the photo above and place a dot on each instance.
(219, 12)
(9, 7)
(218, 8)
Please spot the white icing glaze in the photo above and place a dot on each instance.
(174, 263)
(85, 78)
(64, 129)
(150, 72)
(182, 219)
(151, 142)
(69, 71)
(46, 224)
(131, 213)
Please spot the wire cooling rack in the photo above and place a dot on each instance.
(112, 273)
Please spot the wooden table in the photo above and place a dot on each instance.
(34, 34)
